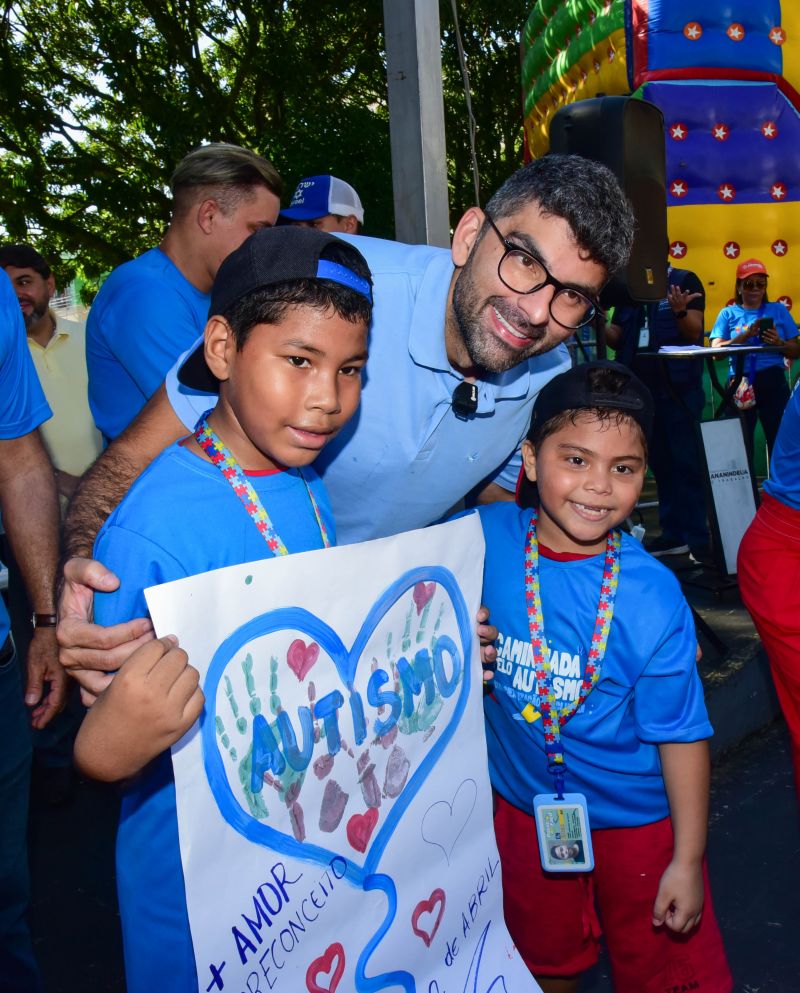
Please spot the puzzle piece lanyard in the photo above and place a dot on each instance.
(215, 449)
(553, 717)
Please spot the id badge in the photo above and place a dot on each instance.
(644, 337)
(562, 827)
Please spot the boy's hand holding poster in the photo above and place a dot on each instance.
(334, 806)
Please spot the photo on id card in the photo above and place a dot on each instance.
(562, 828)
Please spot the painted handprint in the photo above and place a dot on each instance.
(345, 753)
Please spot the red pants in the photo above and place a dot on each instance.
(553, 920)
(769, 581)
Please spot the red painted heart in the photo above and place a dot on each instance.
(329, 966)
(422, 594)
(437, 898)
(360, 828)
(301, 657)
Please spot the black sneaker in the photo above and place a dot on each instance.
(664, 545)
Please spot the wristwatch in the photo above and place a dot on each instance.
(680, 314)
(44, 620)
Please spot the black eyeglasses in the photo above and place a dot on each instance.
(523, 273)
(754, 284)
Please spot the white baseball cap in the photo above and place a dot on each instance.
(317, 196)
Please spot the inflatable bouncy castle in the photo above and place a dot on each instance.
(726, 75)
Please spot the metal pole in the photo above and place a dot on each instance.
(416, 121)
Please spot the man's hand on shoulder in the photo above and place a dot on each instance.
(89, 652)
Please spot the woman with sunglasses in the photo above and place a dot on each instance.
(753, 320)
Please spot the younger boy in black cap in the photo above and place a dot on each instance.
(284, 346)
(596, 725)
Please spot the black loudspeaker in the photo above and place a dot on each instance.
(626, 135)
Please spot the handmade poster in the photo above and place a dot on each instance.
(334, 808)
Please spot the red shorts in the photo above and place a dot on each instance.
(769, 581)
(553, 917)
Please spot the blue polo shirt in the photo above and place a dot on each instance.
(145, 315)
(22, 402)
(784, 469)
(405, 459)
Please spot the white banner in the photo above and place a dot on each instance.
(334, 807)
(731, 484)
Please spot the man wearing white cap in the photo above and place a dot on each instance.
(327, 204)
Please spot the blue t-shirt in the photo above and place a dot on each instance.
(22, 402)
(784, 469)
(145, 315)
(405, 459)
(735, 319)
(181, 517)
(649, 691)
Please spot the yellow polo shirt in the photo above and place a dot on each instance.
(70, 435)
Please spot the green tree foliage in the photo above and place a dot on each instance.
(99, 101)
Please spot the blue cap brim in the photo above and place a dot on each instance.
(301, 214)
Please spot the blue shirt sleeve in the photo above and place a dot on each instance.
(508, 474)
(784, 322)
(22, 402)
(141, 332)
(722, 326)
(668, 702)
(139, 563)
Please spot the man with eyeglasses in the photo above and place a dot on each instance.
(461, 342)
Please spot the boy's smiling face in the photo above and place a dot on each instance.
(589, 476)
(291, 388)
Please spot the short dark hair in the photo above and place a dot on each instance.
(269, 305)
(586, 194)
(226, 172)
(24, 257)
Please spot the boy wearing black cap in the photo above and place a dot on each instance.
(284, 347)
(596, 725)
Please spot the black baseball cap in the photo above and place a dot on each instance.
(581, 389)
(268, 257)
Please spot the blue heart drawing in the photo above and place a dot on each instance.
(346, 664)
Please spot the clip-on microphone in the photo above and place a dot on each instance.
(465, 399)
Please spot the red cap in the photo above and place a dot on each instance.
(750, 267)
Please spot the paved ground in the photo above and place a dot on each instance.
(754, 860)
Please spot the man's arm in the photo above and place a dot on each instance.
(690, 326)
(30, 517)
(493, 493)
(89, 650)
(686, 770)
